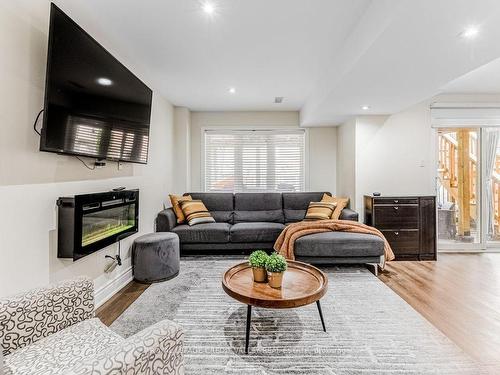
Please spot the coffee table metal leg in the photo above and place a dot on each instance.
(321, 315)
(249, 320)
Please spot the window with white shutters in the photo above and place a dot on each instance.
(256, 160)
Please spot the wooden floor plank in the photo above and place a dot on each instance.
(115, 306)
(459, 294)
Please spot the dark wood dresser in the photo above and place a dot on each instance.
(408, 223)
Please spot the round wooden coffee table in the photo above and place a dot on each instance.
(303, 284)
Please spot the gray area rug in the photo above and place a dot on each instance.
(371, 330)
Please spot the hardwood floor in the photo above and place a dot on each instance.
(116, 305)
(459, 294)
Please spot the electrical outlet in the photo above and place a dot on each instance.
(120, 165)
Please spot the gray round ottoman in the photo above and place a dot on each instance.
(155, 257)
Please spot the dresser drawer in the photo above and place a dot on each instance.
(404, 242)
(395, 217)
(395, 200)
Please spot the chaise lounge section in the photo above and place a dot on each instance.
(250, 221)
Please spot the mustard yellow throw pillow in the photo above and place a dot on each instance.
(176, 200)
(196, 212)
(319, 211)
(340, 204)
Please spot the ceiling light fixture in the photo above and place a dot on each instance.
(365, 108)
(232, 90)
(470, 32)
(208, 8)
(104, 81)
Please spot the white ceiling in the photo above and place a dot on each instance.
(263, 48)
(485, 80)
(326, 57)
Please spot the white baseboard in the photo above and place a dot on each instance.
(110, 288)
(471, 251)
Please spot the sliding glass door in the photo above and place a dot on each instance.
(468, 188)
(491, 169)
(459, 206)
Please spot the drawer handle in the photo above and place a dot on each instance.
(396, 208)
(396, 233)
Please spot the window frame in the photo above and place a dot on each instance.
(204, 129)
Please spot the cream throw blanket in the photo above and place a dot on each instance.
(286, 240)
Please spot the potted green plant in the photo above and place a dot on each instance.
(275, 265)
(258, 261)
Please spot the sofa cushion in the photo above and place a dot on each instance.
(293, 216)
(61, 351)
(319, 211)
(215, 201)
(271, 216)
(295, 205)
(220, 205)
(227, 248)
(339, 244)
(348, 214)
(203, 233)
(222, 216)
(300, 201)
(175, 200)
(340, 204)
(258, 207)
(255, 232)
(196, 212)
(257, 201)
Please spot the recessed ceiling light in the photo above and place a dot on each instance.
(104, 81)
(208, 8)
(232, 90)
(470, 32)
(365, 108)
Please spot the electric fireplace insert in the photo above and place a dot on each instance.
(90, 222)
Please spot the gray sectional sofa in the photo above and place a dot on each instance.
(250, 221)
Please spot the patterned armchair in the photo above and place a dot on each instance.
(53, 331)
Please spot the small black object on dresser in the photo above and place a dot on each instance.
(408, 223)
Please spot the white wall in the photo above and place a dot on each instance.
(182, 139)
(322, 142)
(396, 154)
(31, 181)
(322, 165)
(346, 161)
(393, 155)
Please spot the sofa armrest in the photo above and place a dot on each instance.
(166, 220)
(29, 317)
(348, 214)
(155, 350)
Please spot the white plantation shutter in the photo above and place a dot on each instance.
(258, 160)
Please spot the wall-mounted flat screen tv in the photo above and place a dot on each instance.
(94, 106)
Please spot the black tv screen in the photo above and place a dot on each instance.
(94, 106)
